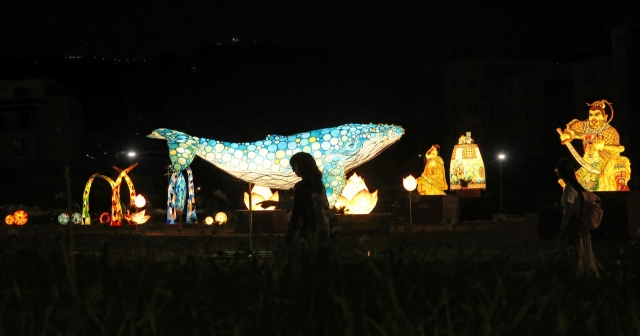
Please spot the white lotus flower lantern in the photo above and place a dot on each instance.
(356, 198)
(259, 194)
(140, 202)
(410, 183)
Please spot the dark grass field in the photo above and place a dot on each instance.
(479, 278)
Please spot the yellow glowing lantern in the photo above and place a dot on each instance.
(467, 168)
(221, 218)
(602, 167)
(20, 217)
(432, 181)
(356, 198)
(410, 183)
(136, 217)
(9, 220)
(208, 220)
(259, 194)
(140, 202)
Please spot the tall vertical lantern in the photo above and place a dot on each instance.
(467, 168)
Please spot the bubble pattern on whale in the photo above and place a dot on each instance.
(266, 162)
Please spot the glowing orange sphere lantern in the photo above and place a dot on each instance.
(9, 220)
(208, 220)
(20, 217)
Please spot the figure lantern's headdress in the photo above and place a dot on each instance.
(601, 105)
(434, 147)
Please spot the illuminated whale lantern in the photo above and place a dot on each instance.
(337, 150)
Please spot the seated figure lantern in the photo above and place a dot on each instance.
(432, 181)
(467, 168)
(602, 168)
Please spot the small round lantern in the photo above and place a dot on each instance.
(410, 183)
(63, 219)
(221, 218)
(208, 220)
(140, 201)
(76, 218)
(20, 217)
(104, 218)
(9, 220)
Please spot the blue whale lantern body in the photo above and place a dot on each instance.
(337, 150)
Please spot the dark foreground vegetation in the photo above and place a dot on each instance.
(400, 291)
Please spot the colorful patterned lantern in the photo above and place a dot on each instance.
(601, 167)
(221, 218)
(208, 220)
(356, 198)
(63, 219)
(20, 217)
(76, 218)
(259, 194)
(176, 196)
(337, 150)
(9, 220)
(104, 218)
(467, 168)
(116, 207)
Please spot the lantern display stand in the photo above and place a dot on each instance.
(176, 197)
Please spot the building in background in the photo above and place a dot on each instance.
(39, 122)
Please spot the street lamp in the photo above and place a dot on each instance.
(410, 184)
(501, 158)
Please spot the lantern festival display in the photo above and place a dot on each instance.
(266, 162)
(356, 198)
(20, 217)
(9, 219)
(259, 194)
(601, 167)
(467, 168)
(409, 183)
(76, 218)
(208, 220)
(136, 218)
(177, 195)
(433, 180)
(140, 202)
(63, 219)
(116, 207)
(104, 218)
(221, 218)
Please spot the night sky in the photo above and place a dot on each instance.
(415, 30)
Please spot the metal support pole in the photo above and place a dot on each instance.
(501, 208)
(410, 212)
(250, 219)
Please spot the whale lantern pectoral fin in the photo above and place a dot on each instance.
(333, 178)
